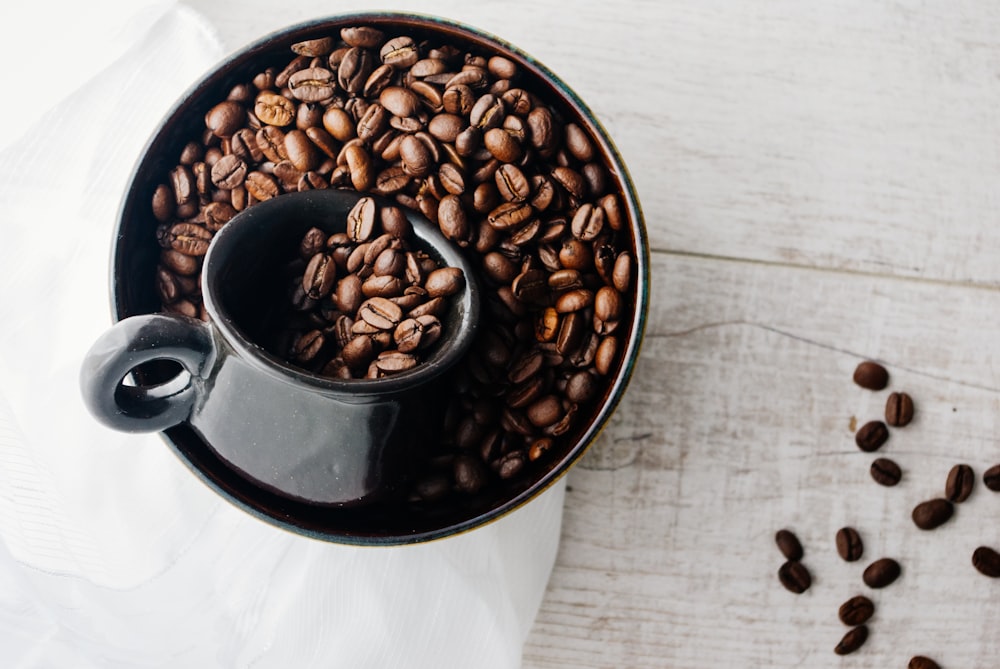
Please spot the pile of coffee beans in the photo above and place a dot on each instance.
(367, 304)
(472, 142)
(927, 515)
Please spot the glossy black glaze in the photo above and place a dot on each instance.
(309, 438)
(134, 257)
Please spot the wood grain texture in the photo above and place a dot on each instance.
(820, 182)
(738, 423)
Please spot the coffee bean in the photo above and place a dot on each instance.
(898, 409)
(189, 239)
(274, 109)
(469, 473)
(871, 375)
(852, 641)
(789, 545)
(319, 276)
(932, 513)
(312, 84)
(921, 662)
(794, 576)
(444, 282)
(229, 172)
(225, 118)
(849, 545)
(987, 561)
(871, 436)
(881, 572)
(886, 472)
(959, 484)
(856, 610)
(991, 478)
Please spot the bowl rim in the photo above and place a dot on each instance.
(279, 514)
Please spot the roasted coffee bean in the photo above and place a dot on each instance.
(380, 313)
(958, 486)
(856, 610)
(229, 172)
(320, 275)
(921, 662)
(986, 561)
(881, 572)
(871, 436)
(312, 84)
(794, 576)
(871, 375)
(898, 409)
(225, 118)
(189, 239)
(307, 346)
(502, 145)
(274, 109)
(354, 69)
(262, 186)
(789, 545)
(470, 474)
(588, 222)
(444, 282)
(991, 478)
(621, 276)
(885, 472)
(606, 355)
(400, 52)
(582, 387)
(452, 218)
(849, 545)
(179, 263)
(932, 513)
(852, 641)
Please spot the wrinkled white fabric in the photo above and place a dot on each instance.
(112, 554)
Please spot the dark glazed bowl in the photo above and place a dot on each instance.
(135, 254)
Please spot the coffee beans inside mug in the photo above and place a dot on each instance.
(514, 180)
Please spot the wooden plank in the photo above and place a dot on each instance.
(857, 135)
(738, 423)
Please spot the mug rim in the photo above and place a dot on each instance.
(279, 512)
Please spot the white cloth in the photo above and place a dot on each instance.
(112, 554)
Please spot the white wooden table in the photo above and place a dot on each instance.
(821, 184)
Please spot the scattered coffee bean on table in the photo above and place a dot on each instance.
(933, 513)
(856, 610)
(991, 478)
(789, 544)
(871, 436)
(852, 641)
(921, 662)
(849, 544)
(881, 573)
(871, 375)
(958, 486)
(987, 561)
(886, 472)
(795, 577)
(898, 409)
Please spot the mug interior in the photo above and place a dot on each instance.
(245, 287)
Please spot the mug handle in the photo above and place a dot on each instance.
(132, 342)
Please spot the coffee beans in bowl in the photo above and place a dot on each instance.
(489, 146)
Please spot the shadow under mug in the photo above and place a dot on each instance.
(311, 438)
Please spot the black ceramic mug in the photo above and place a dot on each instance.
(307, 437)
